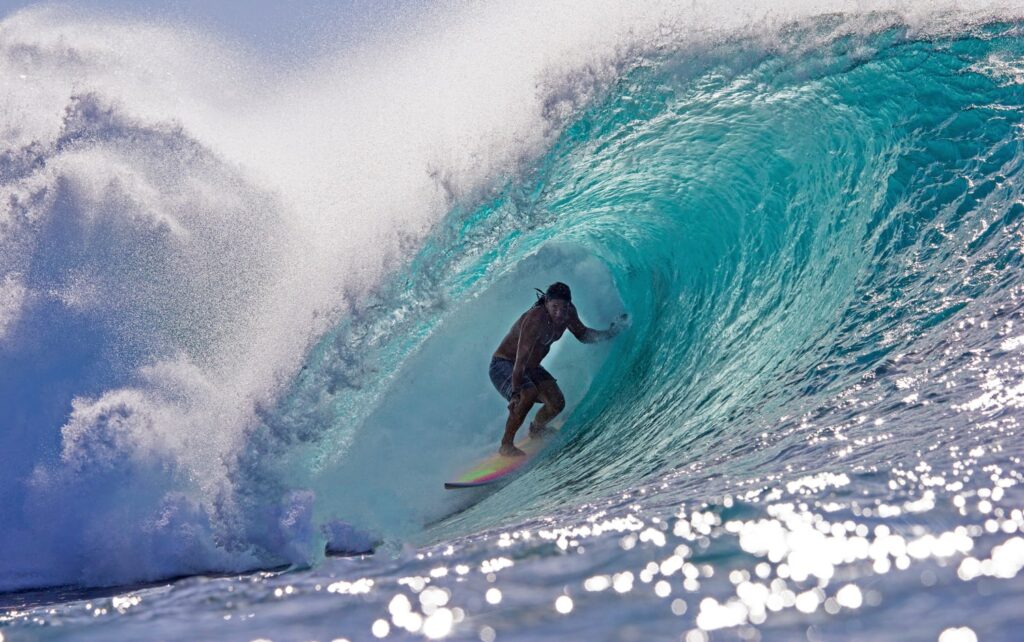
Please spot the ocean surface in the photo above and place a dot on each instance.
(247, 308)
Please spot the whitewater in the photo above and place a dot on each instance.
(247, 308)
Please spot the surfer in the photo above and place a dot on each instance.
(515, 367)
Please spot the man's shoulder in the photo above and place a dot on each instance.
(535, 319)
(534, 314)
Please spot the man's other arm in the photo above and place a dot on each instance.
(590, 335)
(529, 333)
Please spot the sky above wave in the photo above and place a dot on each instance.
(285, 30)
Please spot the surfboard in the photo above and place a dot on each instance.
(497, 466)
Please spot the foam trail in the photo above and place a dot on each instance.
(180, 224)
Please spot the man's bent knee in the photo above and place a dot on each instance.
(554, 402)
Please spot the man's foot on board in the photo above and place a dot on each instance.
(540, 432)
(510, 451)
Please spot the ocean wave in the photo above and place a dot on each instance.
(220, 332)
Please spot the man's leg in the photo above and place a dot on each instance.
(548, 392)
(516, 416)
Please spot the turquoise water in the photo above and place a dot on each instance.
(810, 429)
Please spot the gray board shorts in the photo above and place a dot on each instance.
(501, 376)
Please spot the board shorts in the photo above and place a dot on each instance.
(501, 376)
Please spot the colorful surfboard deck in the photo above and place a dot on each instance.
(497, 466)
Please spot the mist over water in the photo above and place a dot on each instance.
(246, 310)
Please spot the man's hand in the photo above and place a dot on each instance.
(513, 401)
(618, 325)
(621, 324)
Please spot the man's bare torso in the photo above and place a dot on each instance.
(549, 332)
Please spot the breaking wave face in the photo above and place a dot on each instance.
(245, 310)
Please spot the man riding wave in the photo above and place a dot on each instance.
(515, 367)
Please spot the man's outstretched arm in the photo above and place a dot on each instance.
(590, 335)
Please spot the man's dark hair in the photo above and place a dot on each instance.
(556, 290)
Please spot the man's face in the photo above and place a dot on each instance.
(558, 310)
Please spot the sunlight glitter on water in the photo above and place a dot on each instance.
(797, 548)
